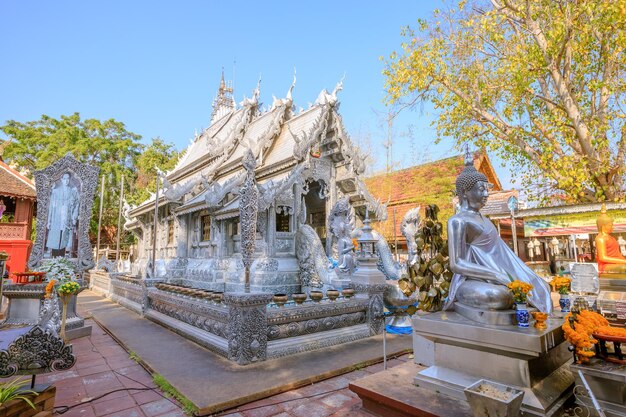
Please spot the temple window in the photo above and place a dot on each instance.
(205, 222)
(283, 221)
(170, 232)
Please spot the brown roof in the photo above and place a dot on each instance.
(431, 183)
(14, 184)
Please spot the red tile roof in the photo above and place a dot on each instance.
(431, 183)
(14, 184)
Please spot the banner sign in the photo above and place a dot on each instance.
(570, 224)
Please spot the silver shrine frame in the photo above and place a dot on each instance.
(83, 179)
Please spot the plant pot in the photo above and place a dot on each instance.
(347, 293)
(299, 297)
(497, 400)
(316, 296)
(332, 294)
(521, 315)
(565, 303)
(280, 299)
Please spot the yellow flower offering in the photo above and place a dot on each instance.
(68, 288)
(520, 290)
(561, 284)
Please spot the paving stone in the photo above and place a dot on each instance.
(311, 409)
(57, 376)
(295, 403)
(143, 397)
(337, 400)
(68, 381)
(354, 375)
(93, 370)
(69, 395)
(232, 415)
(83, 411)
(373, 369)
(89, 364)
(175, 413)
(161, 406)
(112, 395)
(265, 411)
(126, 370)
(114, 405)
(131, 412)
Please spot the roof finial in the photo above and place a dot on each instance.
(469, 156)
(224, 102)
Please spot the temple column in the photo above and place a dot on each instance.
(297, 202)
(221, 251)
(330, 203)
(271, 230)
(181, 234)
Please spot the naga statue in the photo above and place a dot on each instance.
(340, 225)
(312, 259)
(409, 227)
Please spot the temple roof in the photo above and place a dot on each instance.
(430, 183)
(279, 138)
(15, 184)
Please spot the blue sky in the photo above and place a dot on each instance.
(156, 65)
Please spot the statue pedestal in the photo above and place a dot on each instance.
(607, 381)
(459, 352)
(613, 282)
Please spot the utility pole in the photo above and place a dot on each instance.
(119, 222)
(100, 222)
(154, 227)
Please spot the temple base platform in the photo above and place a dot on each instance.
(458, 352)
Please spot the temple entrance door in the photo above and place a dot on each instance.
(316, 209)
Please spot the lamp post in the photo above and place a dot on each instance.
(513, 204)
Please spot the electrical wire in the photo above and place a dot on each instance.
(65, 408)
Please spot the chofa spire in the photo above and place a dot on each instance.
(223, 102)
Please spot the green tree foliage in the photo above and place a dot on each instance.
(540, 83)
(158, 154)
(107, 144)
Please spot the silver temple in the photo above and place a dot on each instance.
(276, 192)
(305, 163)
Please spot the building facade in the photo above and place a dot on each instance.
(305, 163)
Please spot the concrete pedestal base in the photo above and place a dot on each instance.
(459, 352)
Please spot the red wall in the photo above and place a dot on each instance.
(18, 250)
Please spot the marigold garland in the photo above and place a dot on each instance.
(50, 288)
(611, 331)
(586, 323)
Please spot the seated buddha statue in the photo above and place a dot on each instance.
(483, 264)
(608, 254)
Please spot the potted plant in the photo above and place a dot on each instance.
(491, 399)
(13, 391)
(521, 291)
(562, 285)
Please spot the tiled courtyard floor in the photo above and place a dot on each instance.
(106, 382)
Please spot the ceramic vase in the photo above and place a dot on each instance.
(521, 314)
(564, 303)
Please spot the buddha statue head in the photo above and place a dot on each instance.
(604, 222)
(472, 186)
